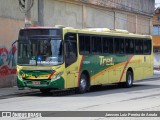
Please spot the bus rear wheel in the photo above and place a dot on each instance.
(129, 79)
(82, 84)
(45, 91)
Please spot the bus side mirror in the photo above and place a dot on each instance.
(13, 52)
(14, 47)
(14, 42)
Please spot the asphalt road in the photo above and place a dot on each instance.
(143, 96)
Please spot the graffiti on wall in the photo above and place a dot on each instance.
(7, 61)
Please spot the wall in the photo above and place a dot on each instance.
(61, 13)
(156, 40)
(94, 14)
(11, 20)
(145, 7)
(155, 20)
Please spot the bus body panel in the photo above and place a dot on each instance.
(39, 77)
(102, 68)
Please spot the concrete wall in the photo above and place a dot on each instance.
(98, 18)
(92, 14)
(145, 7)
(11, 20)
(8, 34)
(61, 13)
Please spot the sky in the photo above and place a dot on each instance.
(157, 3)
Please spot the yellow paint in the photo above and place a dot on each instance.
(107, 69)
(39, 77)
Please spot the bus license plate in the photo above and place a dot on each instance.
(36, 82)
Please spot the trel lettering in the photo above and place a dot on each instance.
(106, 61)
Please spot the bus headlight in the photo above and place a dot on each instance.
(57, 76)
(20, 77)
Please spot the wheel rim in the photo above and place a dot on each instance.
(83, 84)
(129, 79)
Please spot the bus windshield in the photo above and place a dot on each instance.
(40, 52)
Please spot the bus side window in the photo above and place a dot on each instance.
(147, 47)
(121, 41)
(110, 46)
(96, 45)
(107, 45)
(129, 46)
(139, 46)
(119, 45)
(71, 48)
(84, 44)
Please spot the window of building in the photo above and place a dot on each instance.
(156, 30)
(157, 50)
(158, 18)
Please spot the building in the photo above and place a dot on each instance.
(132, 15)
(156, 38)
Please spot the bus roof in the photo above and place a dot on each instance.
(106, 31)
(101, 31)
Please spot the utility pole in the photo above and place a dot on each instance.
(27, 13)
(40, 12)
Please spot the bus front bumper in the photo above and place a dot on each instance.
(41, 84)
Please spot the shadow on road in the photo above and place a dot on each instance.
(94, 91)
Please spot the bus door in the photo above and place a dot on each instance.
(71, 64)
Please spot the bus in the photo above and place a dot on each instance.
(51, 58)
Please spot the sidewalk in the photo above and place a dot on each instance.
(14, 90)
(156, 74)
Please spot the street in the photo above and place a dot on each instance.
(61, 44)
(143, 96)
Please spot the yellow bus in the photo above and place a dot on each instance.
(63, 58)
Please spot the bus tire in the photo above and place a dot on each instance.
(82, 84)
(45, 91)
(129, 79)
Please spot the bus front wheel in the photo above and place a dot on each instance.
(82, 84)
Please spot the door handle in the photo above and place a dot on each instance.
(68, 72)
